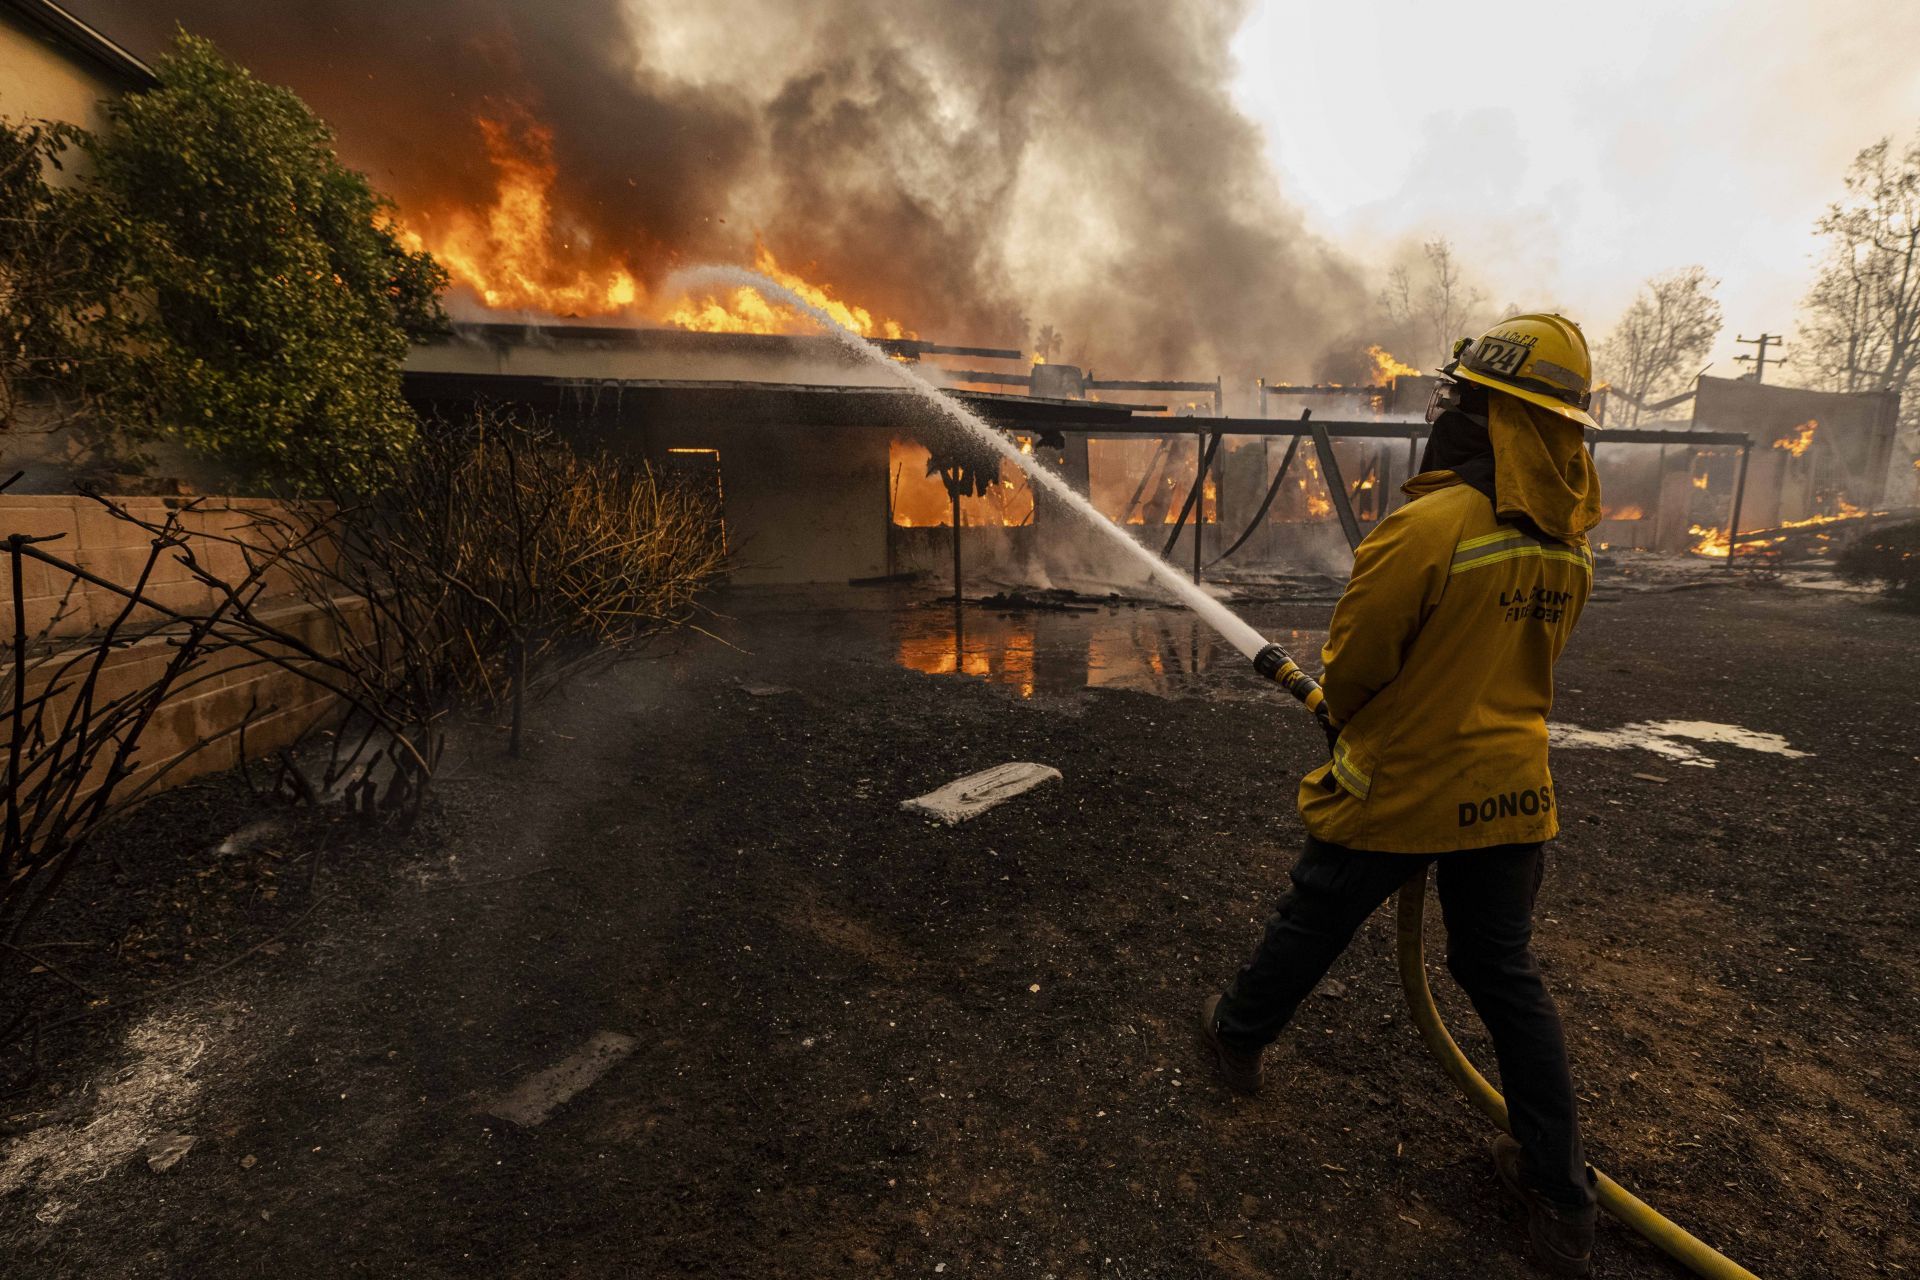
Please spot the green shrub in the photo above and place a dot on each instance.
(223, 280)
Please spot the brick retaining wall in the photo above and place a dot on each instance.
(281, 704)
(94, 539)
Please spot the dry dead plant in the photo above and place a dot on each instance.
(497, 563)
(540, 559)
(76, 711)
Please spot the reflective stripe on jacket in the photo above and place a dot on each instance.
(1439, 672)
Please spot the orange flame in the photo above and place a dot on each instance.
(1319, 505)
(512, 254)
(519, 253)
(920, 500)
(1623, 513)
(1801, 440)
(1700, 481)
(745, 311)
(1847, 512)
(1386, 367)
(1713, 541)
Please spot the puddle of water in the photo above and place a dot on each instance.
(1674, 739)
(1165, 652)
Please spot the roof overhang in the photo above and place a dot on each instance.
(789, 405)
(81, 41)
(767, 404)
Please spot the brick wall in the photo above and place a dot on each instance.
(228, 687)
(92, 538)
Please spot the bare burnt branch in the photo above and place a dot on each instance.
(497, 564)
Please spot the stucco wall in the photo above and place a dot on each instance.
(229, 689)
(40, 81)
(801, 506)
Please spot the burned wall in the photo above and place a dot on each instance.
(807, 505)
(1815, 452)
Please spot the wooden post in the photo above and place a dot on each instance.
(1739, 496)
(1336, 485)
(1199, 500)
(1219, 475)
(953, 491)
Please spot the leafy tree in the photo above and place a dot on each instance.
(247, 295)
(46, 267)
(1861, 328)
(1654, 349)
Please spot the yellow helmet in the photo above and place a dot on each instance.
(1541, 359)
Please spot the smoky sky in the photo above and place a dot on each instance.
(974, 170)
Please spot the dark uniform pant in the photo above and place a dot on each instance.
(1486, 896)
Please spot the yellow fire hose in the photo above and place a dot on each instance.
(1273, 663)
(1614, 1198)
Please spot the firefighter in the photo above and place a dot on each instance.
(1439, 675)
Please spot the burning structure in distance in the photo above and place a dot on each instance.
(1815, 458)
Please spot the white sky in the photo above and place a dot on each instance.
(1571, 150)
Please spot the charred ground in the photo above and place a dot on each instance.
(844, 1066)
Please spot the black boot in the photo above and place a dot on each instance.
(1562, 1238)
(1239, 1070)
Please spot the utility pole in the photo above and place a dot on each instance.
(1759, 362)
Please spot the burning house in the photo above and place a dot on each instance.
(829, 472)
(817, 457)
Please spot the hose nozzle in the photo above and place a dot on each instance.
(1270, 660)
(1277, 664)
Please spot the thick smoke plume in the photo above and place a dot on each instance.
(972, 170)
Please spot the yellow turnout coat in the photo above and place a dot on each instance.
(1439, 659)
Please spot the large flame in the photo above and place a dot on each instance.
(745, 311)
(1386, 367)
(519, 254)
(512, 254)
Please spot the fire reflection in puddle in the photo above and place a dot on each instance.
(1165, 652)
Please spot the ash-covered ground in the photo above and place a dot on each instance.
(863, 1044)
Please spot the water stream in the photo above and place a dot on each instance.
(1236, 632)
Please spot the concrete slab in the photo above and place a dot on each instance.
(973, 795)
(168, 1150)
(541, 1094)
(766, 690)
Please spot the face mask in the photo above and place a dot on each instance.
(1445, 399)
(1450, 395)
